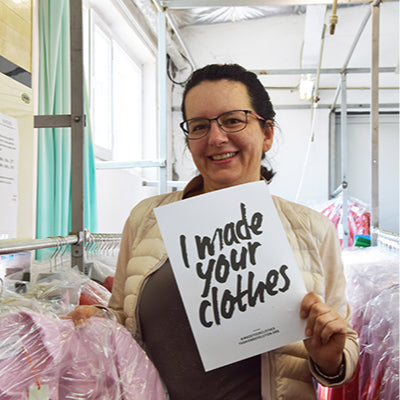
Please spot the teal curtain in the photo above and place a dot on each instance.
(54, 144)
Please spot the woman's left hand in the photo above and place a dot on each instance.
(326, 331)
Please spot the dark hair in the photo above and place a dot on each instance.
(259, 97)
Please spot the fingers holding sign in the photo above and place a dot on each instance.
(326, 331)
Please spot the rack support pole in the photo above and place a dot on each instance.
(375, 120)
(77, 134)
(343, 141)
(162, 97)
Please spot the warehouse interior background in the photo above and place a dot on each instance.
(289, 44)
(90, 95)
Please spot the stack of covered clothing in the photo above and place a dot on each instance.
(101, 360)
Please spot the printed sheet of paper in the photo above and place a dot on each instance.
(8, 175)
(236, 273)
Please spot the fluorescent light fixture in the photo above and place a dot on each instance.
(306, 86)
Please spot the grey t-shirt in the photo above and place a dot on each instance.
(170, 344)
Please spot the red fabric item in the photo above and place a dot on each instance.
(374, 387)
(84, 301)
(108, 283)
(357, 216)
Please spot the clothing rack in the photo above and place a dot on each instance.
(387, 240)
(76, 121)
(17, 246)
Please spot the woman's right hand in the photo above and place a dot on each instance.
(81, 314)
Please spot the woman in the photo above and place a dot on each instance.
(229, 125)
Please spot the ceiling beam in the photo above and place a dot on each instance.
(182, 4)
(296, 71)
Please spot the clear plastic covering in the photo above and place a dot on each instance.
(372, 275)
(358, 217)
(56, 292)
(94, 293)
(43, 355)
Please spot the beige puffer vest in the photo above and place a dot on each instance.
(313, 238)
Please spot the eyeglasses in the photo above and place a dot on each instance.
(230, 122)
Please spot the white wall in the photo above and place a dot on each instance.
(301, 164)
(117, 192)
(359, 162)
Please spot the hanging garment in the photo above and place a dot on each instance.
(372, 275)
(98, 361)
(358, 217)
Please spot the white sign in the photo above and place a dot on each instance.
(8, 175)
(236, 273)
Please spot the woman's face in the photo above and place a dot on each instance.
(226, 159)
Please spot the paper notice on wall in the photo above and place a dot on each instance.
(236, 272)
(8, 175)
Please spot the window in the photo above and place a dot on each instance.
(102, 93)
(118, 64)
(127, 91)
(120, 73)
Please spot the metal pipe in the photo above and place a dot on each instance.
(172, 184)
(77, 132)
(353, 106)
(171, 22)
(321, 51)
(331, 88)
(333, 18)
(299, 71)
(313, 115)
(332, 156)
(18, 245)
(375, 120)
(357, 37)
(162, 97)
(183, 4)
(180, 40)
(343, 145)
(336, 96)
(386, 239)
(316, 90)
(350, 53)
(338, 190)
(130, 164)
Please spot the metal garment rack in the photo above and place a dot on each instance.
(387, 240)
(374, 13)
(17, 246)
(79, 239)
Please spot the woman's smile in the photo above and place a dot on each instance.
(223, 156)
